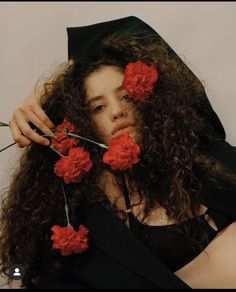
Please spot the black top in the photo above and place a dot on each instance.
(117, 259)
(173, 248)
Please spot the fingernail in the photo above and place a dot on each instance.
(46, 143)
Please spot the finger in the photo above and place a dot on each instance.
(17, 134)
(27, 131)
(31, 134)
(41, 115)
(33, 118)
(21, 146)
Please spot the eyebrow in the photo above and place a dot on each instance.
(95, 98)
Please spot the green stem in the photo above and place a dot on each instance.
(54, 130)
(15, 143)
(7, 147)
(3, 124)
(66, 206)
(86, 139)
(83, 138)
(57, 151)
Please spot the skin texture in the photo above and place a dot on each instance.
(215, 266)
(30, 111)
(109, 103)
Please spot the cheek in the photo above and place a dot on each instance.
(135, 115)
(102, 127)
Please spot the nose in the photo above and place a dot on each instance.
(118, 110)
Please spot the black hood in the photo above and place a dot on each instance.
(85, 40)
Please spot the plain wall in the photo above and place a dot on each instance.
(33, 41)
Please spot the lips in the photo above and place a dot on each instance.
(122, 128)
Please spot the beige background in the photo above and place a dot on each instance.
(33, 41)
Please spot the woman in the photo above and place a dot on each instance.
(157, 224)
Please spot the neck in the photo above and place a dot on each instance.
(107, 182)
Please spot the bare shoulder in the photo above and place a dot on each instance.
(215, 266)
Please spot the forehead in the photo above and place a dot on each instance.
(103, 80)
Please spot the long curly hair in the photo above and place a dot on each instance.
(173, 171)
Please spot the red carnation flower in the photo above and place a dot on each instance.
(74, 166)
(139, 80)
(68, 240)
(69, 126)
(65, 145)
(122, 153)
(61, 142)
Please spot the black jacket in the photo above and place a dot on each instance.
(117, 259)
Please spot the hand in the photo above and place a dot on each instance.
(30, 112)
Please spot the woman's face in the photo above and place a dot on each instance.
(113, 112)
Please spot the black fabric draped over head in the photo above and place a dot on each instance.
(85, 40)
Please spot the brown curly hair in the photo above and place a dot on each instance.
(173, 171)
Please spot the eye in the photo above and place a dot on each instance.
(97, 108)
(126, 97)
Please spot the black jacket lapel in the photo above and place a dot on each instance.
(222, 200)
(110, 234)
